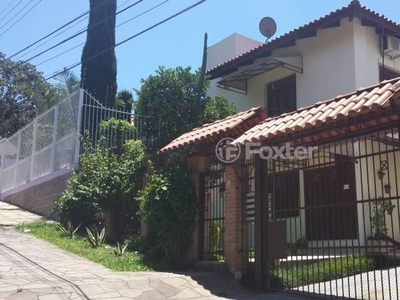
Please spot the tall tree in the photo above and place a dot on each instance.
(23, 94)
(99, 66)
(169, 102)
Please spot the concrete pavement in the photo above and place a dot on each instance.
(11, 215)
(31, 268)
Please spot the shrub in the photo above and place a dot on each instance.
(168, 206)
(105, 182)
(307, 273)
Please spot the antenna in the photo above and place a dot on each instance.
(267, 27)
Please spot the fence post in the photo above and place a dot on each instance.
(79, 128)
(53, 146)
(34, 135)
(2, 149)
(17, 159)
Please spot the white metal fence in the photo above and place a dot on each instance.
(49, 143)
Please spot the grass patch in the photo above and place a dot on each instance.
(330, 269)
(104, 254)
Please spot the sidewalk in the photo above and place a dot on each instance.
(11, 215)
(31, 268)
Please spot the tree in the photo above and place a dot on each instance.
(124, 100)
(169, 100)
(23, 94)
(99, 66)
(68, 82)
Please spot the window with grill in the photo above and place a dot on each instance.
(281, 96)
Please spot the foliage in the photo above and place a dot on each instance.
(217, 108)
(116, 132)
(94, 237)
(69, 230)
(168, 207)
(302, 242)
(124, 100)
(105, 182)
(172, 99)
(23, 94)
(99, 66)
(68, 82)
(130, 261)
(215, 239)
(308, 273)
(381, 207)
(120, 249)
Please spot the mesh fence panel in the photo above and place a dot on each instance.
(23, 171)
(65, 152)
(10, 151)
(44, 130)
(44, 146)
(42, 163)
(26, 145)
(67, 118)
(7, 179)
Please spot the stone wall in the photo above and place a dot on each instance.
(39, 198)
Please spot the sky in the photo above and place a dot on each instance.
(178, 42)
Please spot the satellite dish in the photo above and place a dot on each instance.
(267, 27)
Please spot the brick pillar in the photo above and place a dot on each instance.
(235, 238)
(197, 165)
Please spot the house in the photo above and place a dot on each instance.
(317, 174)
(338, 53)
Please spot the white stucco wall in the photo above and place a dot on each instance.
(369, 186)
(368, 56)
(229, 48)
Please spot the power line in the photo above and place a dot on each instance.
(81, 32)
(60, 33)
(60, 28)
(121, 24)
(15, 15)
(130, 38)
(12, 9)
(20, 18)
(5, 9)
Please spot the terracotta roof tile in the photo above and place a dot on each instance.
(351, 9)
(218, 129)
(323, 112)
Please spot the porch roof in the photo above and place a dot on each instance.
(232, 126)
(365, 108)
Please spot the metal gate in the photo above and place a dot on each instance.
(340, 214)
(212, 224)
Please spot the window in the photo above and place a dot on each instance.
(385, 73)
(284, 191)
(281, 96)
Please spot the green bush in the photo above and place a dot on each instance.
(308, 273)
(168, 206)
(105, 182)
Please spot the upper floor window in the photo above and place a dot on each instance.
(385, 73)
(281, 96)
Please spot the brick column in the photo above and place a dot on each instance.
(197, 165)
(234, 241)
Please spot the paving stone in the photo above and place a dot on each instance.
(187, 294)
(130, 293)
(109, 295)
(91, 290)
(151, 295)
(23, 295)
(165, 289)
